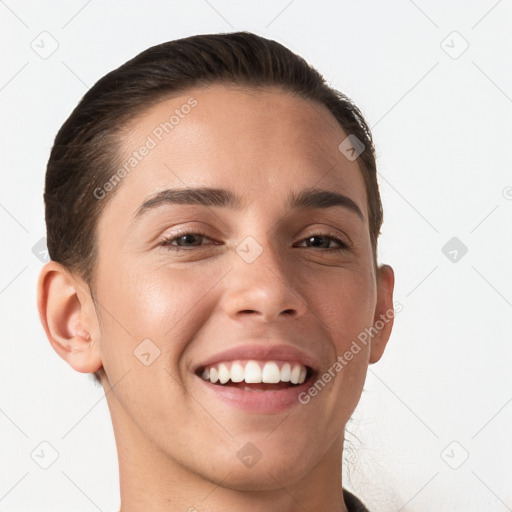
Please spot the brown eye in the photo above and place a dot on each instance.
(189, 240)
(322, 241)
(184, 241)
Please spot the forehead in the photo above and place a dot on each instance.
(261, 143)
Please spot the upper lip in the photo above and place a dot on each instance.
(273, 352)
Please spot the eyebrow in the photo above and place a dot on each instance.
(223, 198)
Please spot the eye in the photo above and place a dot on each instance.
(185, 241)
(322, 241)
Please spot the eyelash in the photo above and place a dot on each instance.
(166, 242)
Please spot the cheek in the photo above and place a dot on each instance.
(348, 305)
(159, 304)
(168, 307)
(348, 311)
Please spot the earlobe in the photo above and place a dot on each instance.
(384, 312)
(68, 317)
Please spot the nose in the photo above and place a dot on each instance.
(264, 289)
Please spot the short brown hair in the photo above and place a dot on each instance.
(86, 152)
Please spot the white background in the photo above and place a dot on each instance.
(442, 127)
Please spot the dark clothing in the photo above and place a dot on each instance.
(353, 503)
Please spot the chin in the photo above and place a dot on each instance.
(272, 476)
(261, 465)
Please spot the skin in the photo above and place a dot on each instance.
(176, 450)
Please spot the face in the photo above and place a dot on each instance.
(191, 286)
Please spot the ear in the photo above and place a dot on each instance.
(67, 312)
(384, 312)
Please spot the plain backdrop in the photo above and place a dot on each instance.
(433, 78)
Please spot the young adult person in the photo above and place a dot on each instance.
(212, 213)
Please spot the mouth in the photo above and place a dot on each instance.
(256, 386)
(254, 375)
(257, 378)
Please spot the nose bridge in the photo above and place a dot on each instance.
(260, 281)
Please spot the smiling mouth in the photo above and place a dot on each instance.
(254, 375)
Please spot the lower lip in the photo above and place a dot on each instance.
(263, 402)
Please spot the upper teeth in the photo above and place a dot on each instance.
(254, 372)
